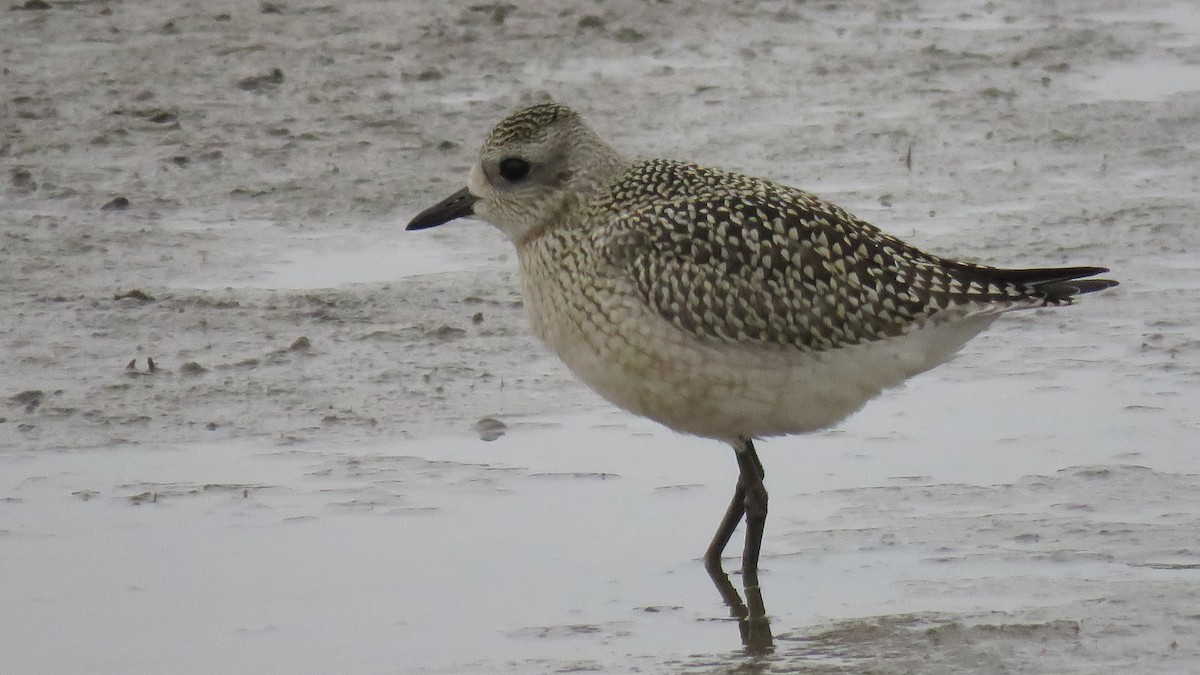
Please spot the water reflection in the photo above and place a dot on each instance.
(753, 624)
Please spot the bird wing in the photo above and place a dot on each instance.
(735, 259)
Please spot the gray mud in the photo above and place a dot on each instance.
(221, 188)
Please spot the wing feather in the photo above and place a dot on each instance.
(736, 259)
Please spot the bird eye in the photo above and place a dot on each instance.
(513, 169)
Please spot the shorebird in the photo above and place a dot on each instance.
(718, 304)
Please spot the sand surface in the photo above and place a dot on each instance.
(299, 484)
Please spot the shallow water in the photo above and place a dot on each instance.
(1145, 81)
(576, 540)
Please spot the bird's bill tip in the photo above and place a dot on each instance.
(458, 205)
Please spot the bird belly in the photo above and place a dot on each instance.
(640, 362)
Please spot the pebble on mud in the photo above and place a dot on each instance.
(143, 498)
(162, 117)
(629, 35)
(116, 204)
(191, 368)
(22, 181)
(134, 294)
(27, 396)
(445, 332)
(489, 428)
(591, 21)
(261, 82)
(30, 398)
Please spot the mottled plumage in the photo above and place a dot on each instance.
(791, 268)
(719, 304)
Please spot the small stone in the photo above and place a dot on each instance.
(22, 181)
(258, 82)
(134, 294)
(628, 34)
(302, 344)
(489, 428)
(192, 369)
(116, 204)
(28, 396)
(591, 21)
(446, 333)
(996, 93)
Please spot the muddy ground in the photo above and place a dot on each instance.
(221, 187)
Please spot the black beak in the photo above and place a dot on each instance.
(457, 205)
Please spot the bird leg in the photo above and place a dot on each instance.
(729, 523)
(755, 508)
(749, 501)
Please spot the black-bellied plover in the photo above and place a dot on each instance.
(718, 304)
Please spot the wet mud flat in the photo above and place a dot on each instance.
(297, 484)
(573, 544)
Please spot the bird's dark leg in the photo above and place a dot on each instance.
(749, 500)
(753, 623)
(755, 508)
(729, 523)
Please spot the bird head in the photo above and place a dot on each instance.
(533, 168)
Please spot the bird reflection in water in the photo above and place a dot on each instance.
(751, 615)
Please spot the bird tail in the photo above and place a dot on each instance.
(1055, 285)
